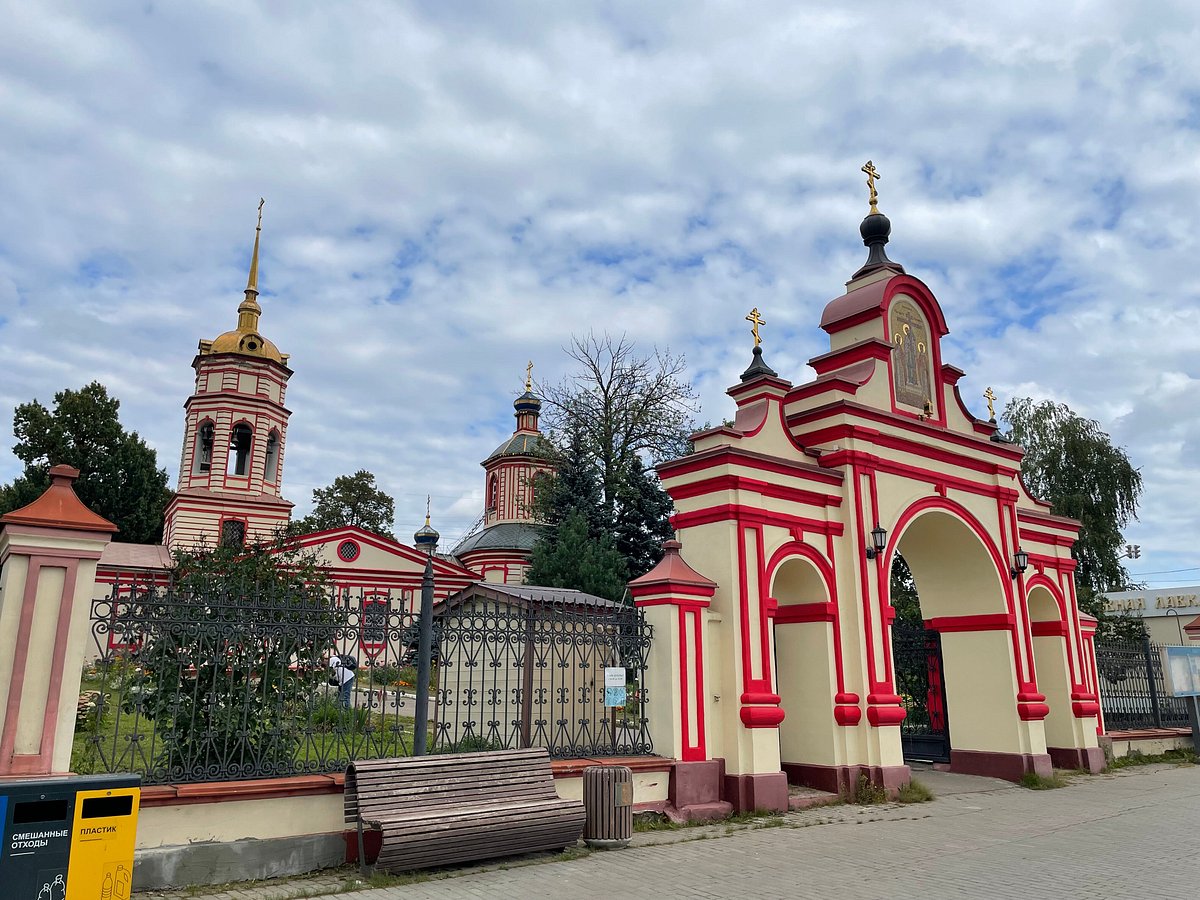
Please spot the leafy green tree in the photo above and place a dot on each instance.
(350, 500)
(904, 591)
(568, 556)
(231, 656)
(119, 478)
(1071, 463)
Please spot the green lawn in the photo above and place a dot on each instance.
(326, 738)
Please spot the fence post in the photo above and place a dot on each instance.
(48, 555)
(1148, 655)
(424, 662)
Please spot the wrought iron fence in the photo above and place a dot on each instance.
(518, 674)
(1133, 691)
(187, 687)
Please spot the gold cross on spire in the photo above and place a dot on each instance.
(252, 280)
(872, 175)
(529, 376)
(427, 510)
(756, 320)
(991, 399)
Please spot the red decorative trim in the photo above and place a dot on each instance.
(870, 349)
(735, 456)
(932, 433)
(761, 716)
(1032, 712)
(989, 622)
(41, 762)
(752, 516)
(885, 715)
(1084, 709)
(791, 613)
(1049, 629)
(719, 483)
(847, 715)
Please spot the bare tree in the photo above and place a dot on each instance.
(624, 404)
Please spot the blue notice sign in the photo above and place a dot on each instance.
(614, 686)
(1181, 665)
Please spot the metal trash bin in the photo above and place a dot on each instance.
(608, 801)
(68, 836)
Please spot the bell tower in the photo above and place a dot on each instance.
(231, 469)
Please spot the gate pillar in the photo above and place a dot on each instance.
(48, 554)
(674, 599)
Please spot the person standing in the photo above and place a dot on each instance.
(341, 669)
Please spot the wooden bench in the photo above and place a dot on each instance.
(438, 810)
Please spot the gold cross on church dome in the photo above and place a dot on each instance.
(529, 376)
(991, 399)
(872, 176)
(757, 320)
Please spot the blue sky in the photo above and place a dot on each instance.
(454, 188)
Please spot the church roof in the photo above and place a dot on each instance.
(533, 595)
(504, 536)
(522, 445)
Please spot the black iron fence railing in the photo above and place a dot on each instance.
(188, 687)
(533, 675)
(1133, 692)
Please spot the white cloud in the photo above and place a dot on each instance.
(455, 188)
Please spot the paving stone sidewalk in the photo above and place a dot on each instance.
(1131, 834)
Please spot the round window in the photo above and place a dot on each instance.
(348, 551)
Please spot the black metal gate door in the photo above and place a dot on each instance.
(917, 653)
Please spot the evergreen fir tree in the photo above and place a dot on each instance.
(642, 518)
(569, 556)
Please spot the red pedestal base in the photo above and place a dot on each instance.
(1090, 759)
(843, 779)
(750, 792)
(694, 793)
(1009, 766)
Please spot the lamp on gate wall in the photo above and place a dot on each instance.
(1020, 563)
(878, 541)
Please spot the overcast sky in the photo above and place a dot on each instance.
(456, 187)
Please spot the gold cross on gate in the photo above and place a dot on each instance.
(529, 376)
(757, 320)
(261, 201)
(991, 399)
(872, 175)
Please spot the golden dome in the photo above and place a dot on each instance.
(247, 343)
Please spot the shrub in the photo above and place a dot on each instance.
(914, 792)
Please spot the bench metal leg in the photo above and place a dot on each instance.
(363, 869)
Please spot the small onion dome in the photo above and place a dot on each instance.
(528, 402)
(876, 229)
(426, 537)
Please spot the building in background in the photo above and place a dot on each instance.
(231, 476)
(1171, 615)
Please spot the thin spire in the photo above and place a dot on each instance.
(427, 510)
(252, 281)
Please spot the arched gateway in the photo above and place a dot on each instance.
(774, 657)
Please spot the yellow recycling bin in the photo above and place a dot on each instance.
(102, 841)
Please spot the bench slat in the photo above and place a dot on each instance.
(436, 810)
